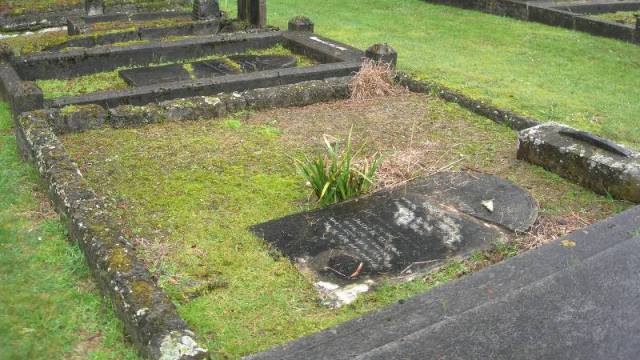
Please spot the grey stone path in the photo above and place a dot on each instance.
(555, 302)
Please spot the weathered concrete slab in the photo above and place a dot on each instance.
(210, 68)
(399, 232)
(251, 63)
(552, 302)
(591, 161)
(154, 75)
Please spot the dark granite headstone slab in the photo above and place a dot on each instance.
(154, 75)
(473, 193)
(390, 232)
(211, 68)
(250, 63)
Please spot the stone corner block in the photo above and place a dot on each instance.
(301, 23)
(382, 53)
(589, 160)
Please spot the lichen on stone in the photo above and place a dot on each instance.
(177, 345)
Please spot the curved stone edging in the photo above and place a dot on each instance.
(149, 317)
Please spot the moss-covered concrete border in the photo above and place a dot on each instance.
(77, 118)
(149, 317)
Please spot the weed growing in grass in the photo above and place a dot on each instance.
(336, 176)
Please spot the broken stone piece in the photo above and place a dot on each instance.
(206, 9)
(590, 161)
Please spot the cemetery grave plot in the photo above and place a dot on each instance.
(20, 7)
(118, 32)
(95, 75)
(189, 193)
(21, 15)
(250, 61)
(596, 17)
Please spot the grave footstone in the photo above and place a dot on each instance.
(253, 11)
(251, 63)
(206, 9)
(402, 231)
(211, 68)
(94, 7)
(154, 75)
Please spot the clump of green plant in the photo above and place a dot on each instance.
(338, 175)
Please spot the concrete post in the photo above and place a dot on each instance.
(382, 53)
(301, 23)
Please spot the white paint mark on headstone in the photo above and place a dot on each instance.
(314, 38)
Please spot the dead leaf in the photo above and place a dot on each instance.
(568, 243)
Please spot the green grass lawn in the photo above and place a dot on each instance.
(50, 308)
(546, 72)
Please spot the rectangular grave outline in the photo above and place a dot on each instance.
(336, 60)
(556, 14)
(38, 141)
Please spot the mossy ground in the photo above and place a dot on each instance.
(622, 17)
(50, 306)
(111, 80)
(188, 192)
